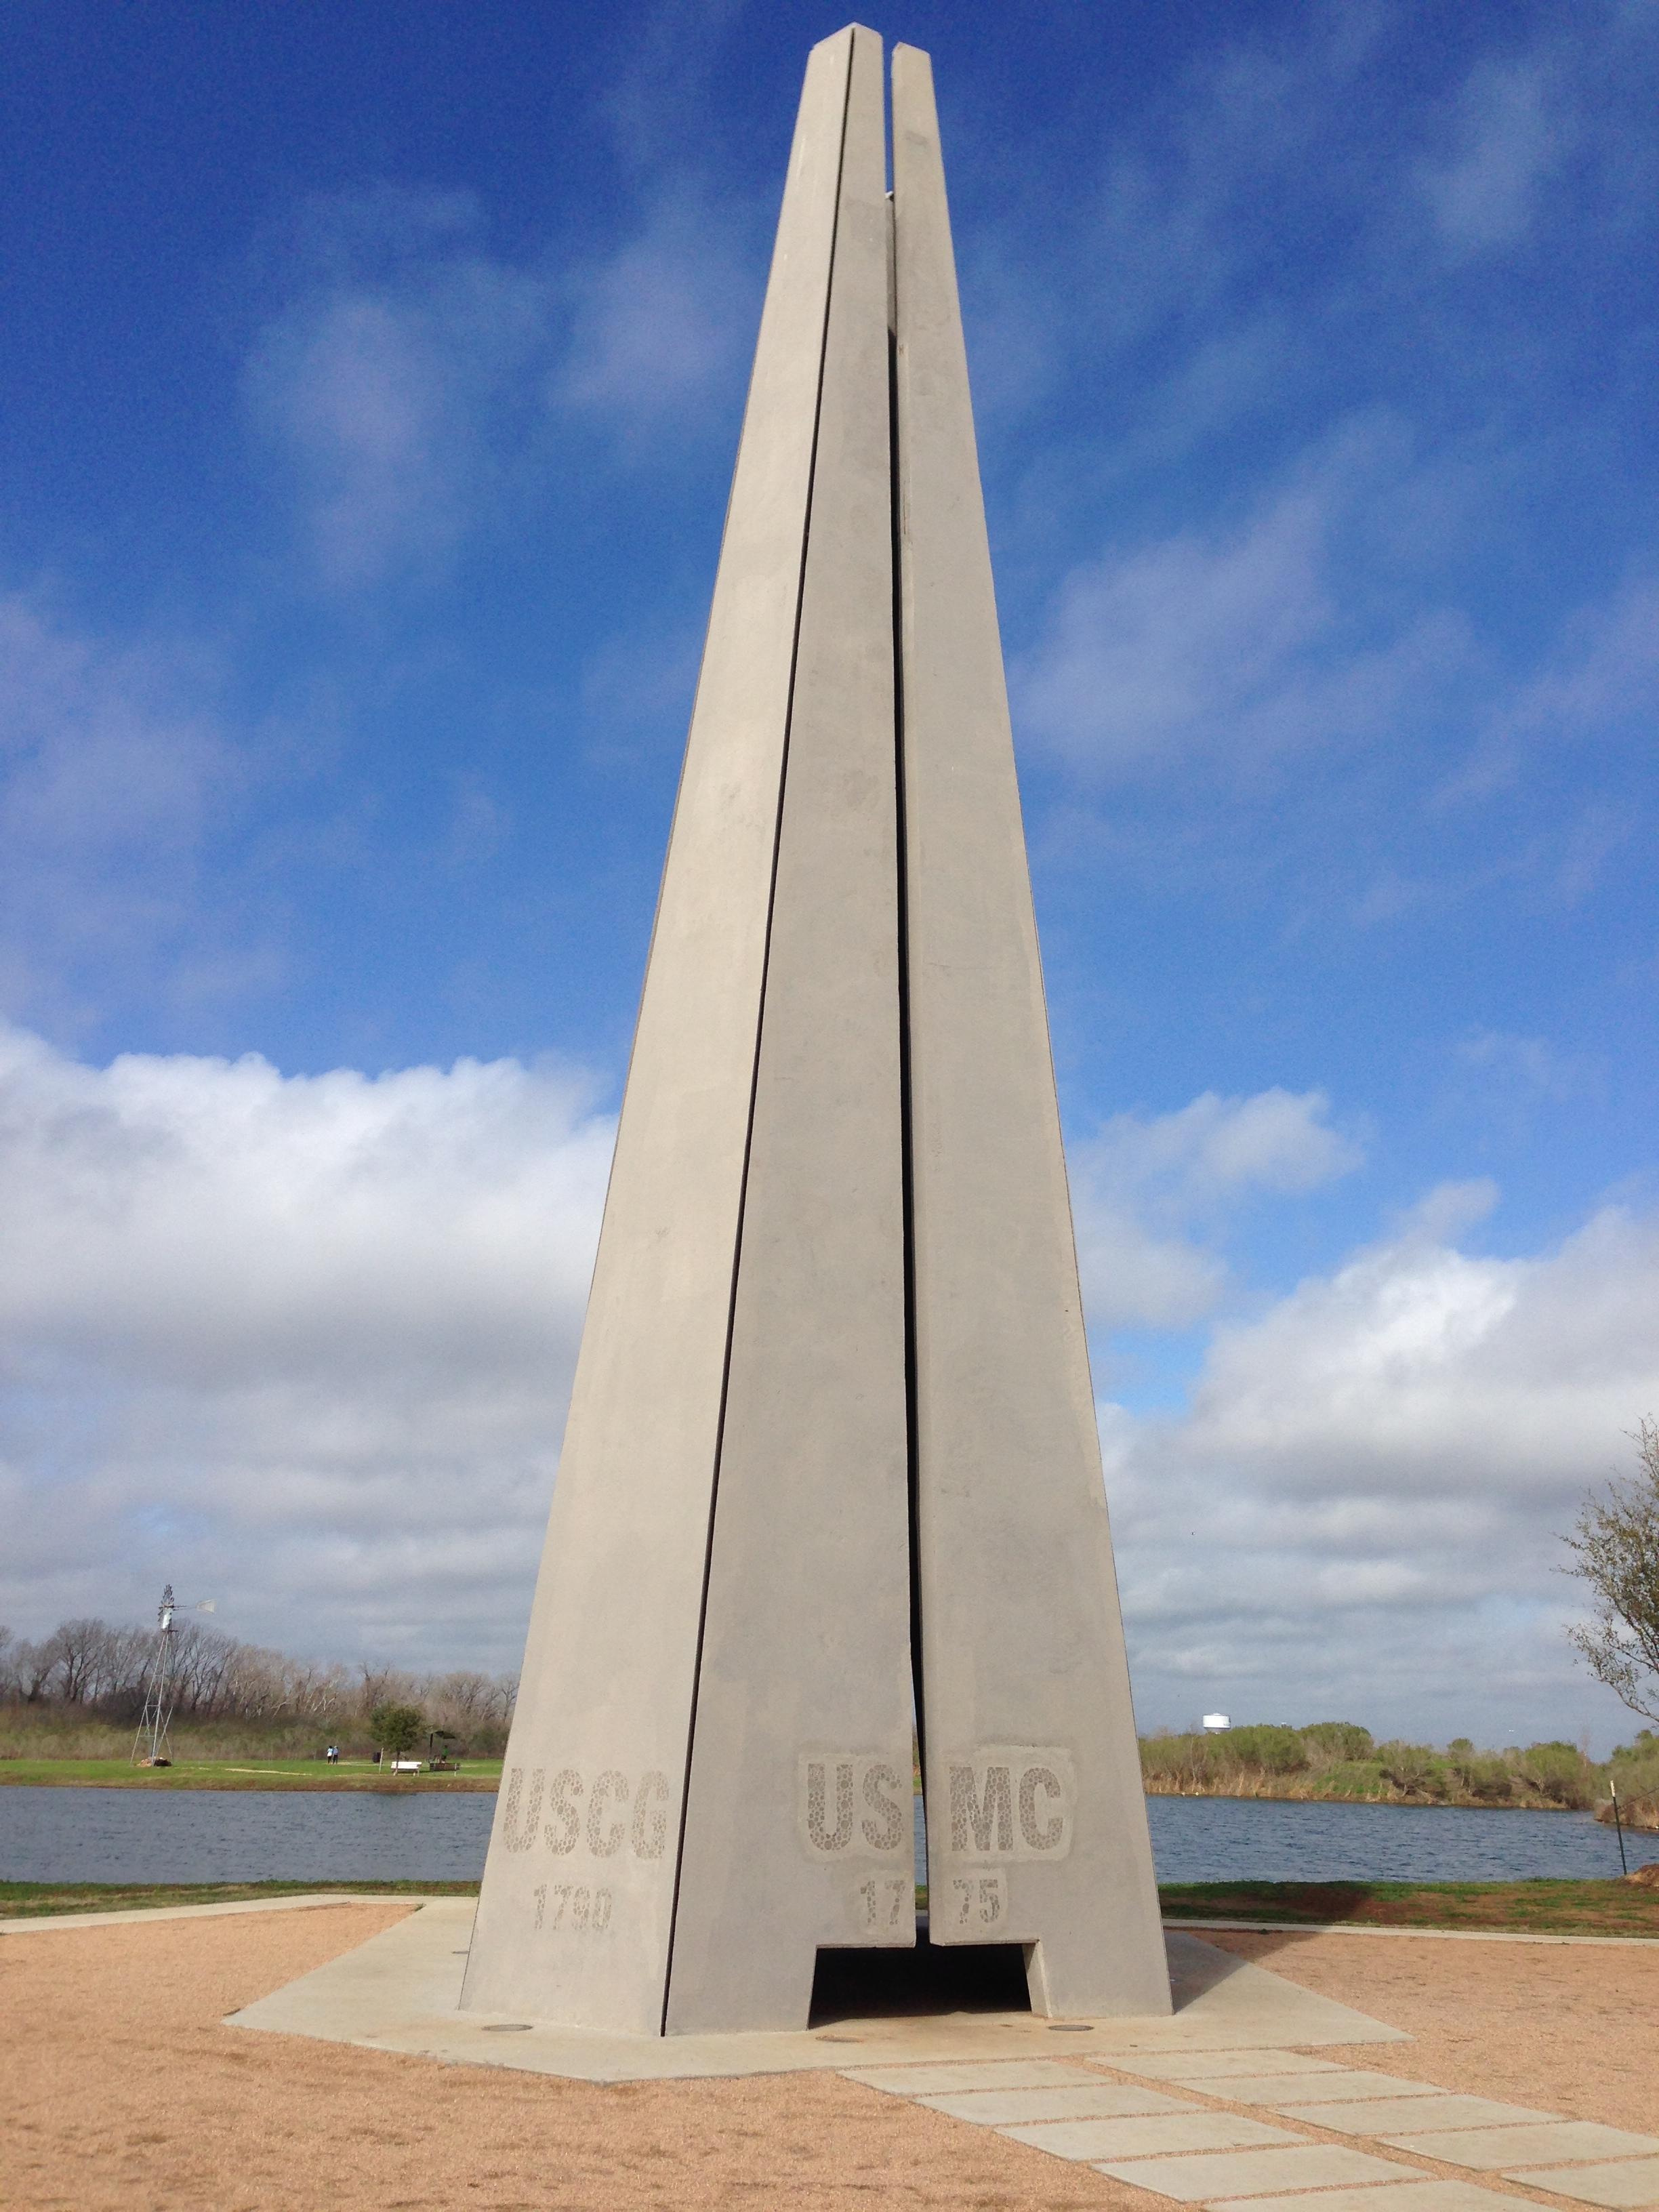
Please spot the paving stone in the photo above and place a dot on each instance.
(1435, 2109)
(972, 2073)
(1199, 2065)
(1403, 2195)
(1333, 2088)
(1554, 2143)
(1255, 2173)
(1144, 2138)
(1103, 2100)
(1628, 2187)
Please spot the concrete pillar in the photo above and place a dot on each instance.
(799, 1823)
(833, 1394)
(730, 1496)
(1037, 1824)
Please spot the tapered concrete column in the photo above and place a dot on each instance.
(1037, 1824)
(832, 1408)
(578, 1911)
(799, 1825)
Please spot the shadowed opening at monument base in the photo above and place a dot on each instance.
(957, 1977)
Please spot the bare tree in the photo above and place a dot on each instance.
(1615, 1544)
(95, 1666)
(32, 1668)
(81, 1653)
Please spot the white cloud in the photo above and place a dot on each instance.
(1236, 646)
(414, 379)
(664, 325)
(1144, 1183)
(1358, 1511)
(303, 1341)
(113, 764)
(397, 378)
(1508, 136)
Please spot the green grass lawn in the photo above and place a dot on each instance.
(21, 1900)
(1559, 1908)
(250, 1774)
(1539, 1908)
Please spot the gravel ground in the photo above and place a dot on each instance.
(122, 2088)
(1572, 2028)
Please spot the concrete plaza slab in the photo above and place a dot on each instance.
(1231, 2176)
(1149, 2138)
(1553, 2143)
(1196, 2065)
(1404, 2195)
(1433, 2109)
(1097, 2100)
(1336, 2085)
(1631, 2185)
(400, 1991)
(1001, 2076)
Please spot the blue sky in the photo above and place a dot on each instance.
(374, 379)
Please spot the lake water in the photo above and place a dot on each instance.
(68, 1834)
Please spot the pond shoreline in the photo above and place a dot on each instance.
(1393, 1801)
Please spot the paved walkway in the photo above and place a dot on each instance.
(1364, 2142)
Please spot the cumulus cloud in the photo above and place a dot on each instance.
(303, 1344)
(1508, 137)
(1230, 648)
(1596, 688)
(663, 324)
(1152, 1191)
(305, 1341)
(414, 379)
(1358, 1512)
(396, 377)
(112, 765)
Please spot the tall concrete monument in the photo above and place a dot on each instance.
(831, 1470)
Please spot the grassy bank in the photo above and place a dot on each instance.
(1326, 1762)
(30, 1900)
(1536, 1908)
(292, 1774)
(1526, 1908)
(1339, 1762)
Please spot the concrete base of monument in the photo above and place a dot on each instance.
(400, 1991)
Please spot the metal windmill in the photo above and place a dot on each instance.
(150, 1745)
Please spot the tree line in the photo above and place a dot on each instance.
(95, 1669)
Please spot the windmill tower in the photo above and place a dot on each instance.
(150, 1745)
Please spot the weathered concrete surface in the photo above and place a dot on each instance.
(800, 1816)
(578, 1901)
(1552, 2143)
(1404, 2116)
(1230, 2175)
(400, 1991)
(1332, 2085)
(1199, 2066)
(1406, 2193)
(1101, 2101)
(1145, 2138)
(1628, 2187)
(1037, 1824)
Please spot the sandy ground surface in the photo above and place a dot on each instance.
(119, 2086)
(1573, 2029)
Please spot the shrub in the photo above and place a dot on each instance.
(1482, 1773)
(1558, 1772)
(1415, 1768)
(1338, 1740)
(1274, 1750)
